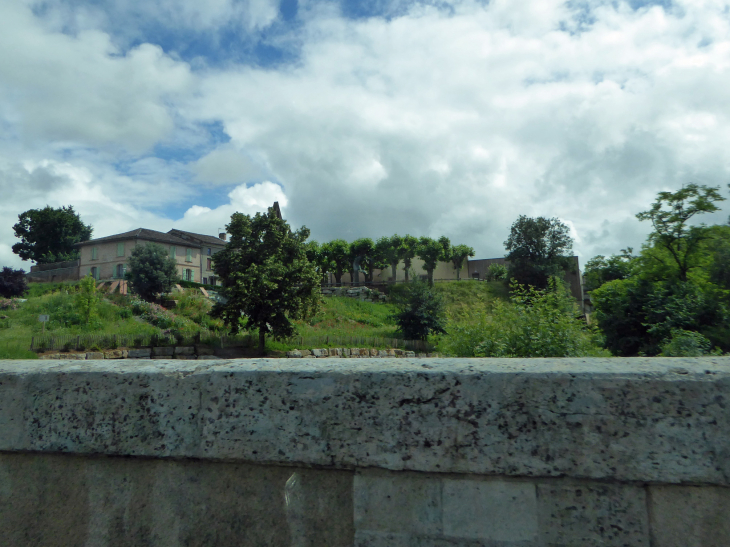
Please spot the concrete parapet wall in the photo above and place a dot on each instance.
(432, 452)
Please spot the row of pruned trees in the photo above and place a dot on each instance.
(339, 257)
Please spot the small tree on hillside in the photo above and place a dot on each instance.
(151, 271)
(458, 254)
(431, 252)
(408, 251)
(12, 283)
(420, 312)
(338, 253)
(389, 249)
(267, 279)
(362, 253)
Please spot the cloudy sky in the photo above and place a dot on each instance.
(432, 117)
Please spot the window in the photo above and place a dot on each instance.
(188, 275)
(94, 271)
(209, 251)
(172, 251)
(210, 264)
(188, 255)
(205, 281)
(121, 268)
(120, 249)
(212, 280)
(94, 253)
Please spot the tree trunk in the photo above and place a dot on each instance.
(406, 267)
(430, 278)
(262, 340)
(338, 277)
(394, 268)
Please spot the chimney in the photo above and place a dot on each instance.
(221, 234)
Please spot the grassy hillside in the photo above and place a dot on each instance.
(338, 318)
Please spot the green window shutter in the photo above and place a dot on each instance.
(94, 252)
(188, 255)
(120, 249)
(192, 275)
(172, 251)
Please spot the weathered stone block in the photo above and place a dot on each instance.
(373, 352)
(184, 350)
(139, 353)
(382, 353)
(335, 352)
(690, 516)
(345, 352)
(113, 354)
(163, 351)
(294, 354)
(410, 354)
(591, 513)
(393, 502)
(95, 355)
(354, 352)
(391, 353)
(49, 356)
(320, 353)
(490, 510)
(399, 352)
(73, 356)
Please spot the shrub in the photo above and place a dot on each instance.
(685, 343)
(87, 300)
(421, 312)
(151, 271)
(12, 282)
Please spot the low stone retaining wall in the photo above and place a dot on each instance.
(354, 353)
(166, 352)
(370, 453)
(362, 293)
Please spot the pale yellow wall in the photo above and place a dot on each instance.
(443, 270)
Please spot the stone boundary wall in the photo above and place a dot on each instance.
(371, 453)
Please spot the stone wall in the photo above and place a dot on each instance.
(54, 272)
(386, 452)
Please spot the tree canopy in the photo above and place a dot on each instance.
(48, 235)
(151, 271)
(457, 255)
(266, 278)
(431, 252)
(12, 282)
(537, 249)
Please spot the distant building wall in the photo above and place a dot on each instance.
(443, 271)
(56, 271)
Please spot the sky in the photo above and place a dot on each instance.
(363, 119)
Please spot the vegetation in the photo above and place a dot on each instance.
(151, 271)
(49, 235)
(267, 279)
(12, 282)
(421, 312)
(431, 252)
(537, 249)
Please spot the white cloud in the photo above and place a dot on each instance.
(225, 165)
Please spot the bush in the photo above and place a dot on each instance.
(685, 343)
(87, 300)
(421, 312)
(536, 323)
(12, 282)
(151, 271)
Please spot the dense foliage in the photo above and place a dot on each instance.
(12, 282)
(537, 249)
(421, 311)
(49, 235)
(151, 271)
(267, 279)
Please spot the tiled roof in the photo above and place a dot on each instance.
(139, 233)
(208, 240)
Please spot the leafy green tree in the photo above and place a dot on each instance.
(670, 215)
(599, 269)
(338, 254)
(87, 300)
(457, 255)
(421, 312)
(49, 235)
(685, 343)
(431, 252)
(317, 256)
(408, 251)
(12, 282)
(497, 271)
(267, 280)
(537, 249)
(389, 250)
(151, 271)
(362, 253)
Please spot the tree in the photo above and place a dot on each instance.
(338, 254)
(12, 283)
(151, 271)
(599, 269)
(389, 250)
(420, 312)
(537, 249)
(48, 234)
(670, 214)
(408, 251)
(362, 253)
(431, 252)
(267, 279)
(87, 300)
(458, 254)
(317, 256)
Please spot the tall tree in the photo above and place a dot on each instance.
(48, 234)
(362, 252)
(457, 255)
(12, 282)
(317, 255)
(151, 270)
(670, 215)
(408, 251)
(389, 250)
(538, 248)
(431, 252)
(338, 254)
(267, 279)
